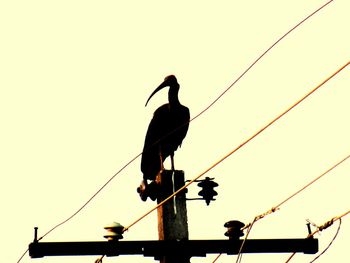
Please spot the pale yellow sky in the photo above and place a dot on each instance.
(75, 76)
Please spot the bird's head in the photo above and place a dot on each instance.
(169, 81)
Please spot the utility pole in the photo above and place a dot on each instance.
(172, 216)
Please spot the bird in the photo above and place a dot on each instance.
(166, 131)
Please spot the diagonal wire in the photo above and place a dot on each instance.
(275, 208)
(310, 183)
(21, 257)
(90, 199)
(261, 56)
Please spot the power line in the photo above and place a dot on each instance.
(261, 56)
(275, 208)
(90, 199)
(330, 243)
(309, 184)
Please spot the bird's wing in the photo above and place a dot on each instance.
(183, 124)
(156, 127)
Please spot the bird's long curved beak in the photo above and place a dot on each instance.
(161, 86)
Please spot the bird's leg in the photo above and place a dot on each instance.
(161, 161)
(173, 180)
(172, 162)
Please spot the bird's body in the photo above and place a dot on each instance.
(166, 131)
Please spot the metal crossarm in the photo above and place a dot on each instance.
(156, 249)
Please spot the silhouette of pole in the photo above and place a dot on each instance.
(172, 216)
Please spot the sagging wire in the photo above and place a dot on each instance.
(330, 243)
(21, 257)
(321, 228)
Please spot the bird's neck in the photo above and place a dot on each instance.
(173, 95)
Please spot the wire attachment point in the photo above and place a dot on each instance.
(35, 234)
(326, 225)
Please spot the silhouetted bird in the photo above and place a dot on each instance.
(166, 131)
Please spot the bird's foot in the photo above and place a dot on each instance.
(142, 190)
(146, 190)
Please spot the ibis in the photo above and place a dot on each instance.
(166, 131)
